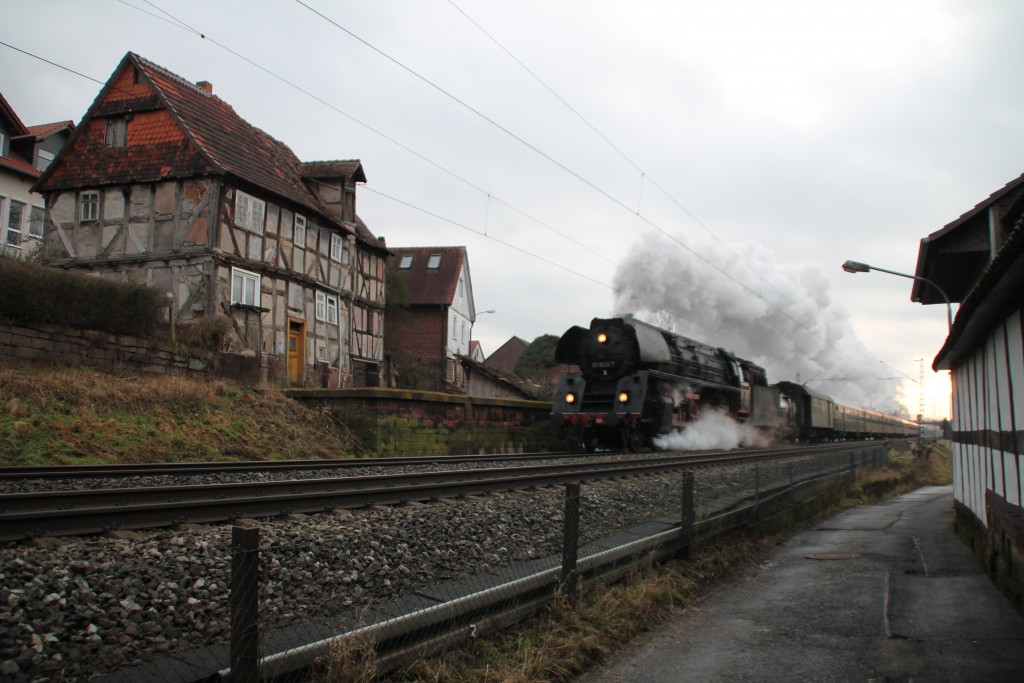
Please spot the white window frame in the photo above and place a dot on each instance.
(336, 247)
(327, 308)
(406, 262)
(300, 230)
(15, 229)
(239, 290)
(250, 212)
(89, 206)
(44, 155)
(40, 213)
(434, 262)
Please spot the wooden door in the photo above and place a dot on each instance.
(296, 351)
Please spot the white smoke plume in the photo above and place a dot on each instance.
(713, 429)
(802, 335)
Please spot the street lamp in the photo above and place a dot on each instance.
(858, 267)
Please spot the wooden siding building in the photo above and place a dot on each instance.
(979, 260)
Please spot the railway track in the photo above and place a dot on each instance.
(27, 515)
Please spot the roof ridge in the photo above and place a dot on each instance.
(170, 74)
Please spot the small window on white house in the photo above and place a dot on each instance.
(300, 230)
(14, 220)
(117, 133)
(406, 262)
(336, 243)
(462, 288)
(434, 262)
(245, 287)
(36, 216)
(249, 211)
(43, 159)
(89, 205)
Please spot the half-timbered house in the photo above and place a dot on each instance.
(164, 184)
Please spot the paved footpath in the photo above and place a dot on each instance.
(877, 594)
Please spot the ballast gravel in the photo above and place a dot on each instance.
(74, 608)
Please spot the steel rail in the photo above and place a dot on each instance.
(184, 469)
(25, 515)
(188, 468)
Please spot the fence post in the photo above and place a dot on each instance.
(245, 602)
(757, 485)
(689, 517)
(570, 542)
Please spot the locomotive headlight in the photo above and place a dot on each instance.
(602, 337)
(570, 398)
(623, 397)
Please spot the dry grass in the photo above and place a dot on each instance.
(61, 415)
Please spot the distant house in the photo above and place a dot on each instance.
(507, 355)
(476, 351)
(164, 184)
(489, 382)
(978, 261)
(25, 152)
(437, 324)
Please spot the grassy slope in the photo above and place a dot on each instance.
(59, 415)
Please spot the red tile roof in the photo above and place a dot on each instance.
(430, 286)
(16, 163)
(333, 169)
(16, 126)
(178, 130)
(45, 130)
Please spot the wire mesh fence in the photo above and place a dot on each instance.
(337, 595)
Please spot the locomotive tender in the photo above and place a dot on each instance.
(637, 381)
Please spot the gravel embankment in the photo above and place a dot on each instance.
(72, 608)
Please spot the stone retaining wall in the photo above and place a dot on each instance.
(88, 347)
(393, 422)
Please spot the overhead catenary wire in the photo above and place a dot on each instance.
(579, 177)
(651, 223)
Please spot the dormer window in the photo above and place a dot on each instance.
(434, 262)
(43, 159)
(3, 145)
(406, 262)
(117, 133)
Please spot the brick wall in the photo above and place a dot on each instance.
(395, 422)
(418, 339)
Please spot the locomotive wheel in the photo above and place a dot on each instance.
(633, 440)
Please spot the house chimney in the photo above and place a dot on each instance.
(382, 241)
(205, 85)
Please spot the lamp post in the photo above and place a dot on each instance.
(858, 267)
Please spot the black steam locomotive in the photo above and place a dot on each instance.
(637, 381)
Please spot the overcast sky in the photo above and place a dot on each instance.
(739, 150)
